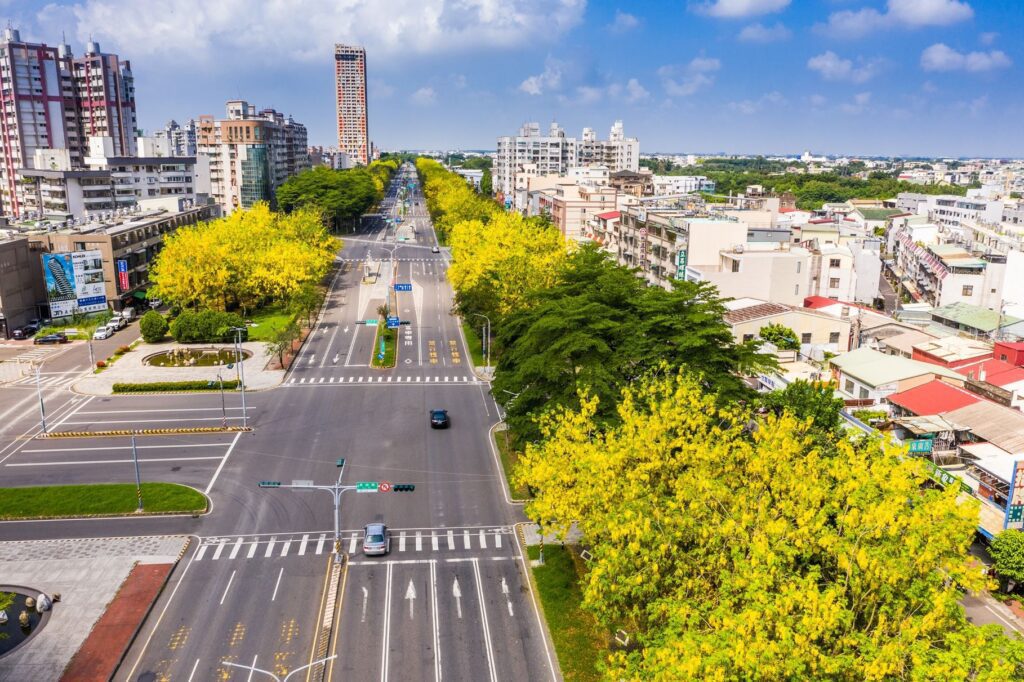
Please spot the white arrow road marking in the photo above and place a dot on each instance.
(504, 591)
(366, 596)
(335, 360)
(346, 330)
(410, 595)
(457, 593)
(312, 359)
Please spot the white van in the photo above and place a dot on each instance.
(128, 314)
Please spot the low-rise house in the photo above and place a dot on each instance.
(816, 333)
(866, 376)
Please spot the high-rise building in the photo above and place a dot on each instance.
(53, 100)
(350, 91)
(554, 153)
(251, 154)
(181, 139)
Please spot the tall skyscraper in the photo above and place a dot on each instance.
(350, 89)
(53, 100)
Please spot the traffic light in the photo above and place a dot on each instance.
(403, 487)
(341, 462)
(270, 484)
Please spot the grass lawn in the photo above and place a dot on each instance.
(268, 322)
(473, 341)
(579, 641)
(509, 459)
(99, 498)
(84, 327)
(390, 346)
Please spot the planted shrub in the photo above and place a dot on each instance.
(153, 326)
(161, 386)
(205, 326)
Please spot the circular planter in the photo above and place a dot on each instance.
(12, 634)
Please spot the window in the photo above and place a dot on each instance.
(833, 263)
(833, 337)
(1002, 356)
(748, 337)
(805, 337)
(968, 290)
(735, 266)
(796, 289)
(798, 265)
(863, 394)
(848, 387)
(833, 283)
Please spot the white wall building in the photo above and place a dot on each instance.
(682, 184)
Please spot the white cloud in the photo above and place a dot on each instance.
(941, 57)
(424, 96)
(759, 33)
(683, 81)
(832, 67)
(631, 93)
(623, 22)
(546, 81)
(899, 13)
(306, 30)
(817, 101)
(860, 102)
(636, 92)
(977, 105)
(379, 89)
(732, 9)
(988, 38)
(767, 100)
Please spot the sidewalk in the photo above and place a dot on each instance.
(129, 368)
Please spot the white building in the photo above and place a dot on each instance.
(181, 139)
(682, 184)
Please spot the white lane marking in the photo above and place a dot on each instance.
(433, 541)
(270, 548)
(110, 461)
(385, 644)
(465, 539)
(128, 447)
(193, 673)
(201, 552)
(302, 545)
(226, 588)
(451, 540)
(366, 597)
(419, 541)
(220, 548)
(434, 619)
(320, 543)
(252, 668)
(277, 584)
(401, 541)
(497, 539)
(284, 548)
(508, 600)
(352, 544)
(152, 421)
(252, 550)
(484, 623)
(410, 596)
(222, 462)
(457, 593)
(234, 550)
(483, 540)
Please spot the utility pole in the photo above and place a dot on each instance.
(241, 371)
(486, 347)
(39, 393)
(138, 477)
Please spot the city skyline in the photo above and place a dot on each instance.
(858, 77)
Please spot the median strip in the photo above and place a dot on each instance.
(146, 432)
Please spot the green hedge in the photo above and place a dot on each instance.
(158, 386)
(206, 326)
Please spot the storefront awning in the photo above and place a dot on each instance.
(141, 295)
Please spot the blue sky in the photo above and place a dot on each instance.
(884, 77)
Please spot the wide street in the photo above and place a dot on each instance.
(451, 599)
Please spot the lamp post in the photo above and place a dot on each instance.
(39, 393)
(223, 406)
(138, 477)
(241, 371)
(487, 340)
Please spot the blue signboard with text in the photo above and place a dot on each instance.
(393, 322)
(403, 287)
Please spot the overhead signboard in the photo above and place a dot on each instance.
(393, 322)
(74, 282)
(403, 286)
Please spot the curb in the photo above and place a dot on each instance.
(506, 487)
(145, 432)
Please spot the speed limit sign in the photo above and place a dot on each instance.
(384, 487)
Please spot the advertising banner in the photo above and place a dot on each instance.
(1015, 505)
(122, 275)
(74, 282)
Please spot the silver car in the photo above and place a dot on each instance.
(375, 540)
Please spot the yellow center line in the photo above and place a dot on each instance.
(319, 617)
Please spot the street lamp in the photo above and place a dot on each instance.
(241, 371)
(487, 341)
(223, 407)
(39, 392)
(138, 477)
(254, 669)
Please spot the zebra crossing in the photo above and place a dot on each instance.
(34, 354)
(59, 380)
(397, 260)
(437, 540)
(383, 379)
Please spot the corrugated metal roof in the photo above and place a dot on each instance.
(874, 368)
(934, 397)
(999, 425)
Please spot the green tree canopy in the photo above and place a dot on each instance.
(731, 552)
(1008, 551)
(341, 195)
(780, 335)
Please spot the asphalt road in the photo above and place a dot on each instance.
(250, 587)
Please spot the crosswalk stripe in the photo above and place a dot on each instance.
(201, 552)
(332, 380)
(401, 541)
(252, 550)
(465, 539)
(320, 543)
(352, 544)
(389, 379)
(451, 540)
(302, 380)
(234, 550)
(302, 545)
(292, 381)
(220, 548)
(419, 541)
(287, 544)
(483, 540)
(321, 380)
(497, 539)
(433, 541)
(360, 380)
(270, 548)
(446, 379)
(418, 379)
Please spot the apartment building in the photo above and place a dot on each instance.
(538, 152)
(251, 153)
(53, 100)
(571, 207)
(816, 332)
(108, 182)
(681, 184)
(350, 98)
(181, 139)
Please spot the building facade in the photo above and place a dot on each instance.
(251, 154)
(53, 100)
(350, 97)
(181, 139)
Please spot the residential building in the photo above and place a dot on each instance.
(571, 207)
(350, 99)
(251, 154)
(781, 274)
(976, 321)
(950, 210)
(681, 184)
(817, 333)
(181, 139)
(866, 376)
(638, 183)
(931, 398)
(553, 152)
(21, 284)
(53, 100)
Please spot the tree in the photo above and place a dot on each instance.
(1008, 551)
(814, 403)
(282, 340)
(153, 327)
(486, 183)
(306, 301)
(781, 336)
(736, 553)
(341, 195)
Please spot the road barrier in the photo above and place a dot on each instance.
(145, 432)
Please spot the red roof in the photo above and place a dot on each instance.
(997, 372)
(934, 397)
(787, 210)
(608, 215)
(815, 302)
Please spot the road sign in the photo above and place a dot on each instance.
(371, 322)
(384, 487)
(404, 286)
(302, 483)
(270, 484)
(366, 487)
(393, 322)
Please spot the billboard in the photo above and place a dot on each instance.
(122, 275)
(1015, 505)
(74, 282)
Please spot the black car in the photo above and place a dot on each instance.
(439, 419)
(51, 338)
(18, 334)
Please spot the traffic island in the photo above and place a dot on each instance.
(98, 500)
(385, 347)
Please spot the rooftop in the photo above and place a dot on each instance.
(997, 372)
(998, 425)
(753, 311)
(608, 215)
(954, 348)
(934, 397)
(878, 213)
(972, 316)
(874, 368)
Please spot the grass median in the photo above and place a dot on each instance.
(509, 458)
(578, 639)
(473, 336)
(389, 337)
(98, 499)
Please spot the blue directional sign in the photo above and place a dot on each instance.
(393, 322)
(403, 286)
